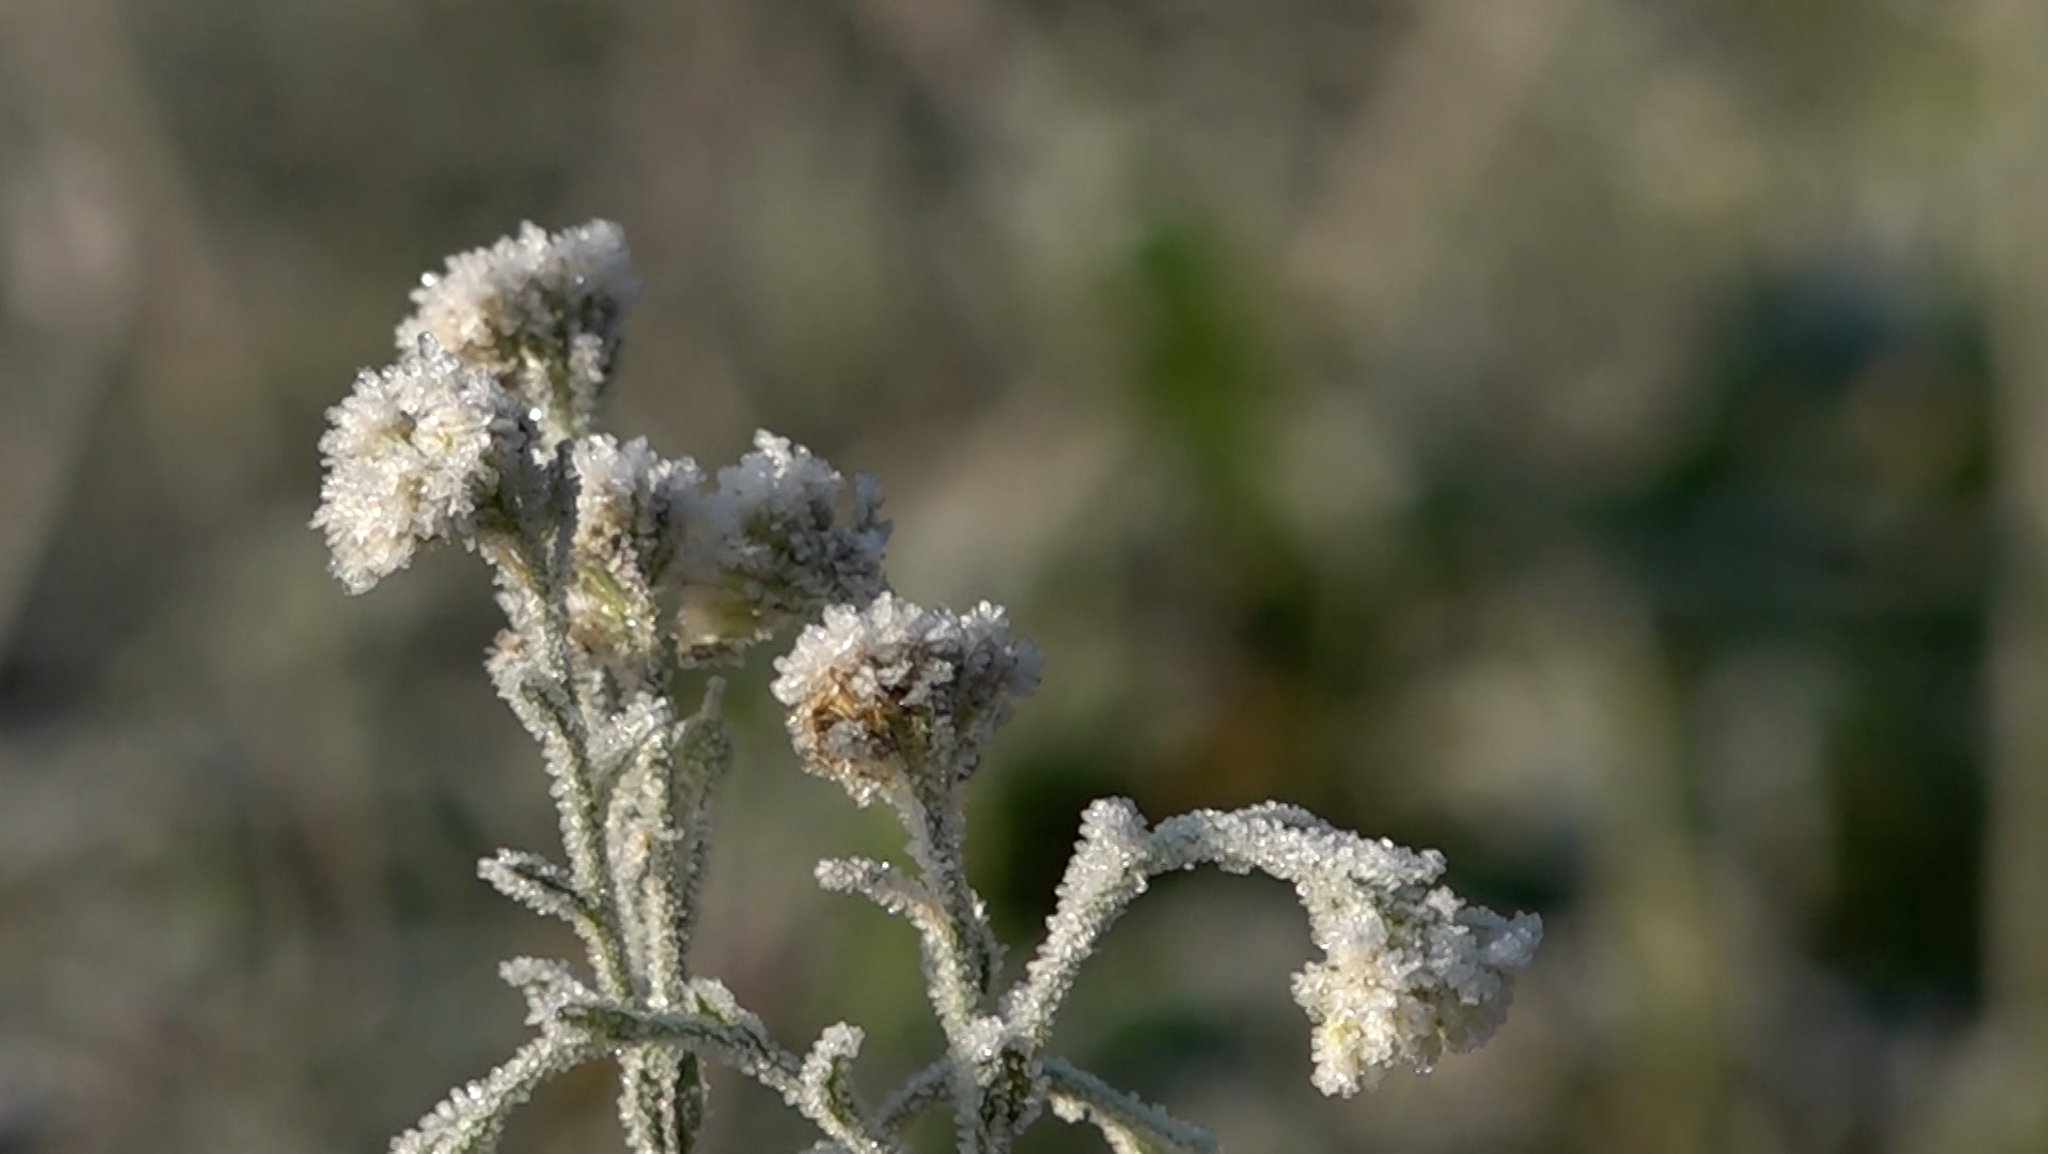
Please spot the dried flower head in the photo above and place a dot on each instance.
(897, 689)
(1405, 980)
(781, 538)
(541, 312)
(634, 508)
(413, 455)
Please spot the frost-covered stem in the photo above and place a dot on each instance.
(1130, 1123)
(1093, 894)
(661, 1093)
(534, 603)
(991, 1081)
(817, 1085)
(960, 958)
(1117, 858)
(925, 1088)
(703, 764)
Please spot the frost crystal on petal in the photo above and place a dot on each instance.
(775, 545)
(875, 691)
(413, 455)
(541, 312)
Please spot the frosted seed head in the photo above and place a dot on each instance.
(782, 536)
(1405, 980)
(632, 506)
(893, 689)
(418, 453)
(542, 312)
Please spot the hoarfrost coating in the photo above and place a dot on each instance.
(1404, 982)
(542, 312)
(621, 572)
(783, 538)
(412, 455)
(894, 687)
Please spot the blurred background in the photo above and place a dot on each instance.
(1604, 439)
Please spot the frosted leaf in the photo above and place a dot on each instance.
(470, 1118)
(536, 883)
(632, 750)
(414, 455)
(780, 537)
(541, 312)
(825, 1079)
(893, 688)
(1129, 1124)
(879, 882)
(547, 984)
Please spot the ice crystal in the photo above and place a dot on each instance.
(895, 689)
(412, 457)
(542, 312)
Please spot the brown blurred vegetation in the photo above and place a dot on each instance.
(1604, 439)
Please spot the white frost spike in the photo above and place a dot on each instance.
(894, 688)
(541, 312)
(412, 456)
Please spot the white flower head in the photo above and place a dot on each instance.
(1406, 980)
(780, 538)
(412, 456)
(542, 312)
(895, 689)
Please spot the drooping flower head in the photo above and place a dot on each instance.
(879, 694)
(413, 456)
(544, 313)
(780, 538)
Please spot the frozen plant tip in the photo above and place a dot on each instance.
(623, 574)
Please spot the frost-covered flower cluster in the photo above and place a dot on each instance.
(503, 365)
(413, 456)
(543, 313)
(621, 572)
(891, 690)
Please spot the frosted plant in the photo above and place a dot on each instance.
(623, 575)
